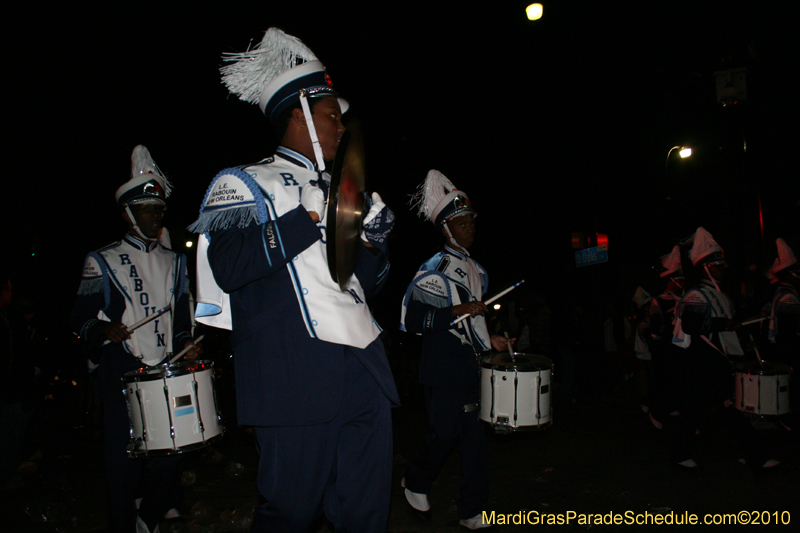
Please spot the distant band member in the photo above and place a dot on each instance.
(706, 330)
(122, 284)
(784, 319)
(448, 285)
(312, 376)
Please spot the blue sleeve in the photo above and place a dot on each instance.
(695, 321)
(425, 318)
(182, 321)
(242, 255)
(83, 319)
(372, 269)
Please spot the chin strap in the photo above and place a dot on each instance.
(136, 226)
(453, 241)
(312, 131)
(708, 272)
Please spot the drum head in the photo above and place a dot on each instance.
(522, 362)
(166, 371)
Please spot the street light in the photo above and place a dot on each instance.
(534, 11)
(683, 151)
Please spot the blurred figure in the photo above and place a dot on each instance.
(706, 330)
(17, 389)
(667, 359)
(784, 320)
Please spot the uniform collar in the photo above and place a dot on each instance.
(452, 251)
(140, 244)
(295, 157)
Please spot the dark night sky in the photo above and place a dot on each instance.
(554, 126)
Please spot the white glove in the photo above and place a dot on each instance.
(377, 224)
(375, 208)
(313, 199)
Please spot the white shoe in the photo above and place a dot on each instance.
(172, 513)
(141, 527)
(476, 522)
(770, 463)
(417, 501)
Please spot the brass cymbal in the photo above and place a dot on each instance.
(346, 206)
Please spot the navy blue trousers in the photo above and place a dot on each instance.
(156, 480)
(342, 468)
(451, 426)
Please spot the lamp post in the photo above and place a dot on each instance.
(684, 152)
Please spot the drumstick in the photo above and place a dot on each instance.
(508, 345)
(758, 355)
(144, 321)
(754, 320)
(183, 352)
(490, 300)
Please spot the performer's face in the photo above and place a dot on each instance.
(327, 117)
(463, 230)
(718, 271)
(149, 218)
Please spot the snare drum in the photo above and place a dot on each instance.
(763, 389)
(515, 395)
(172, 408)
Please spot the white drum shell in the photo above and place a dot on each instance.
(172, 413)
(763, 394)
(514, 399)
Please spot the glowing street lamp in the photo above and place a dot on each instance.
(683, 151)
(534, 11)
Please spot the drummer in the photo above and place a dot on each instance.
(448, 285)
(784, 321)
(122, 284)
(312, 376)
(706, 330)
(784, 317)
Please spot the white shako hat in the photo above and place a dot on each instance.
(705, 249)
(274, 72)
(147, 184)
(785, 259)
(438, 200)
(671, 263)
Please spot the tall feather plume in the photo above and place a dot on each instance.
(249, 72)
(142, 163)
(430, 192)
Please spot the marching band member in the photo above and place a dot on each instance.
(123, 283)
(784, 317)
(312, 376)
(448, 285)
(706, 330)
(665, 355)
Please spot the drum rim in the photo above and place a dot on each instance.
(155, 373)
(134, 453)
(513, 366)
(768, 368)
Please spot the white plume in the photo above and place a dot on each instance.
(430, 192)
(142, 163)
(249, 72)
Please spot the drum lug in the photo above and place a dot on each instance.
(197, 405)
(169, 413)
